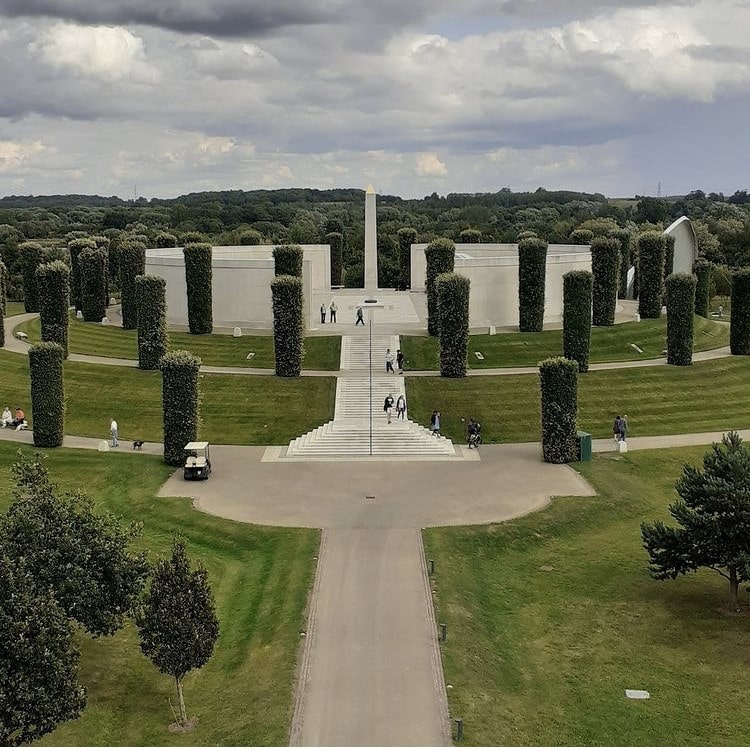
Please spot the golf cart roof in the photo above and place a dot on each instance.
(196, 446)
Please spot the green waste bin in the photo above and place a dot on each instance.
(584, 446)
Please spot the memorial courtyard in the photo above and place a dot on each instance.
(331, 613)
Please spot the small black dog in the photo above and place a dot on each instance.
(137, 445)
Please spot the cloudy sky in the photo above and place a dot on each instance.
(413, 96)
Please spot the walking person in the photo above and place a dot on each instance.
(388, 407)
(322, 312)
(616, 428)
(113, 432)
(435, 424)
(360, 316)
(389, 358)
(624, 427)
(401, 407)
(333, 309)
(400, 361)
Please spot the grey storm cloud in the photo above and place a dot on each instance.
(222, 18)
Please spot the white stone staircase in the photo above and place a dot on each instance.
(348, 434)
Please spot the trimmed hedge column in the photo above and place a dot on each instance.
(702, 271)
(739, 317)
(198, 281)
(47, 394)
(4, 279)
(577, 292)
(132, 265)
(32, 257)
(623, 238)
(558, 379)
(440, 255)
(532, 265)
(470, 236)
(288, 325)
(180, 402)
(680, 294)
(150, 292)
(53, 283)
(452, 293)
(407, 236)
(336, 242)
(75, 248)
(668, 255)
(605, 267)
(288, 260)
(651, 267)
(92, 264)
(581, 236)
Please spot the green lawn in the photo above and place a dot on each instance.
(321, 352)
(13, 308)
(608, 344)
(551, 617)
(260, 577)
(238, 409)
(710, 395)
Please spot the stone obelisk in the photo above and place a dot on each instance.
(371, 241)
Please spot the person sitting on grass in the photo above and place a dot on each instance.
(6, 418)
(19, 420)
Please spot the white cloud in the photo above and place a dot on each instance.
(428, 165)
(109, 52)
(15, 155)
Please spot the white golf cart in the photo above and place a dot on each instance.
(197, 461)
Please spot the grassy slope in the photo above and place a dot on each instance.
(260, 577)
(543, 657)
(609, 344)
(321, 352)
(706, 396)
(262, 410)
(13, 308)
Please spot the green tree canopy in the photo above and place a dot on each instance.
(39, 685)
(81, 557)
(713, 517)
(177, 622)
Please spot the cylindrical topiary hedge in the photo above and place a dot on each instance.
(577, 293)
(651, 267)
(470, 236)
(605, 267)
(668, 255)
(287, 260)
(635, 292)
(335, 241)
(440, 256)
(180, 402)
(132, 265)
(92, 264)
(702, 271)
(623, 238)
(532, 265)
(47, 394)
(581, 236)
(407, 236)
(558, 379)
(680, 299)
(75, 248)
(288, 325)
(166, 240)
(739, 317)
(198, 282)
(53, 283)
(452, 293)
(151, 307)
(4, 279)
(32, 257)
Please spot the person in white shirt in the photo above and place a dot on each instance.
(389, 358)
(7, 417)
(113, 431)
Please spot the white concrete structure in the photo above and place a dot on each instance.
(371, 241)
(242, 277)
(685, 245)
(493, 271)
